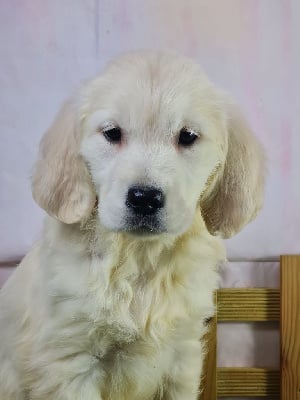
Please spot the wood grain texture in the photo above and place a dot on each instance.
(248, 305)
(290, 327)
(259, 382)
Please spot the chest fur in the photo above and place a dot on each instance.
(152, 304)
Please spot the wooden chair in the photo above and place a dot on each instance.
(259, 305)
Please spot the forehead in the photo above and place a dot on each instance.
(153, 90)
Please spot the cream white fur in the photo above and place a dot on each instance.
(95, 311)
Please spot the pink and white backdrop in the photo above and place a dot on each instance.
(249, 47)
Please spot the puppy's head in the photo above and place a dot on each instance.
(152, 140)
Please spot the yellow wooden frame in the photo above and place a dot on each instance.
(261, 305)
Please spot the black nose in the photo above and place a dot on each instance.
(145, 200)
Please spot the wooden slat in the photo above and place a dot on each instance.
(209, 378)
(248, 305)
(10, 263)
(259, 382)
(290, 327)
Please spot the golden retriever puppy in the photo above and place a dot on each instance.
(143, 171)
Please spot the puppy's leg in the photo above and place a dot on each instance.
(184, 378)
(10, 383)
(72, 378)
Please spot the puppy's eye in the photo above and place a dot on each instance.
(112, 134)
(187, 137)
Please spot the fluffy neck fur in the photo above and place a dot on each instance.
(117, 269)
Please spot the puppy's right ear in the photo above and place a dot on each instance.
(61, 183)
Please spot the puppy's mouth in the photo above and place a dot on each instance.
(143, 225)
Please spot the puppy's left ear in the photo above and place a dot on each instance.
(61, 183)
(236, 196)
